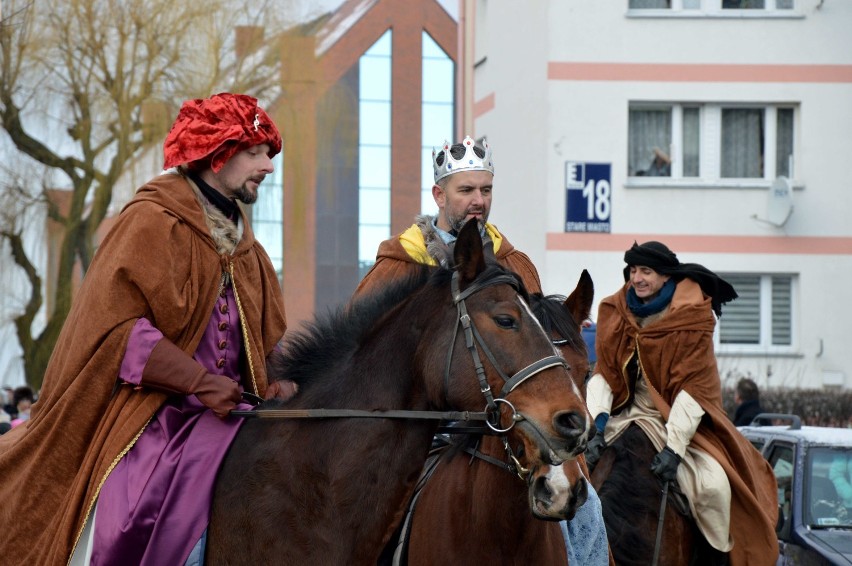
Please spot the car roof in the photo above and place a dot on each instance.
(826, 436)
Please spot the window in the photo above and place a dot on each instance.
(374, 150)
(781, 460)
(438, 109)
(664, 141)
(713, 6)
(762, 316)
(828, 488)
(267, 215)
(757, 4)
(711, 142)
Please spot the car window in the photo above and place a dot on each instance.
(781, 460)
(829, 487)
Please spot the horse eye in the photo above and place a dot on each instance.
(505, 321)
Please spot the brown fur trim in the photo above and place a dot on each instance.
(225, 233)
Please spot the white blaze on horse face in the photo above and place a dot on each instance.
(560, 487)
(527, 308)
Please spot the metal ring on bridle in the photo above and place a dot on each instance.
(496, 427)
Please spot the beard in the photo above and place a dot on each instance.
(456, 222)
(246, 196)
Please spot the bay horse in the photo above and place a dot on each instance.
(327, 490)
(476, 510)
(631, 494)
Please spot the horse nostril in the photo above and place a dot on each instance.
(569, 424)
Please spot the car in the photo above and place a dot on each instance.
(814, 492)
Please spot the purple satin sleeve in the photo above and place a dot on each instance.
(142, 340)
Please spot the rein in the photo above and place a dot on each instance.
(472, 337)
(465, 416)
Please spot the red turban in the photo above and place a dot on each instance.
(217, 128)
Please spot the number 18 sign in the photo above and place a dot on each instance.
(588, 197)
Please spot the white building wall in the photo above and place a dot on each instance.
(537, 118)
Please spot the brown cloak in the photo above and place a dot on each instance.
(676, 353)
(159, 261)
(403, 253)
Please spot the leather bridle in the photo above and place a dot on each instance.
(472, 338)
(473, 342)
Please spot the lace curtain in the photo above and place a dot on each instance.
(647, 129)
(742, 143)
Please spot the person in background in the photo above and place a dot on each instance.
(660, 166)
(22, 399)
(747, 400)
(840, 474)
(174, 320)
(6, 399)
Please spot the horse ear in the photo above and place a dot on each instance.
(579, 303)
(468, 254)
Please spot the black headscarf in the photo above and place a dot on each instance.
(664, 261)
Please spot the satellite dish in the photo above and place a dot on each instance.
(779, 202)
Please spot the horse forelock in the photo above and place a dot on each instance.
(553, 316)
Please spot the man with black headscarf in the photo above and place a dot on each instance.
(656, 368)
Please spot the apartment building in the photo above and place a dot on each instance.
(720, 127)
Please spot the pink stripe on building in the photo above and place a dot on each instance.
(672, 72)
(806, 245)
(483, 105)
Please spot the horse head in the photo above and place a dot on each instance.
(557, 491)
(528, 387)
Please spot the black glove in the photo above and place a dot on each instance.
(665, 464)
(595, 448)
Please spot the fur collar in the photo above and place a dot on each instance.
(225, 234)
(435, 246)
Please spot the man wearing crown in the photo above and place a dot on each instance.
(464, 174)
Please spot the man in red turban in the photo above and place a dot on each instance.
(174, 320)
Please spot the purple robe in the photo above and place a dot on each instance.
(155, 504)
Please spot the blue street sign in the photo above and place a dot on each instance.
(588, 196)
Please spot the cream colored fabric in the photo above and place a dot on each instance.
(701, 479)
(598, 396)
(83, 551)
(683, 421)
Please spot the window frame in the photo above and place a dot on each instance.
(714, 9)
(766, 297)
(710, 141)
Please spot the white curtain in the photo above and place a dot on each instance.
(742, 142)
(784, 142)
(691, 142)
(647, 129)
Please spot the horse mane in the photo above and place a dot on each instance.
(555, 318)
(620, 512)
(336, 334)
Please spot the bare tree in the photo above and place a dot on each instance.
(87, 87)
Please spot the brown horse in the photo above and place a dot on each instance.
(475, 510)
(327, 491)
(631, 495)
